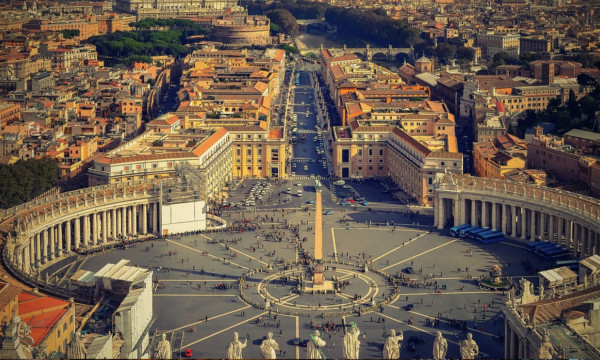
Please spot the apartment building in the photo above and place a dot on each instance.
(493, 158)
(154, 155)
(493, 43)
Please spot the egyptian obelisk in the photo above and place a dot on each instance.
(318, 268)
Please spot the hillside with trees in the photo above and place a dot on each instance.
(26, 179)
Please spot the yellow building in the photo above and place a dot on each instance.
(492, 159)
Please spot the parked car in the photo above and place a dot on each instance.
(329, 212)
(409, 270)
(188, 353)
(339, 182)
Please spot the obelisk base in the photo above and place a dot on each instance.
(318, 278)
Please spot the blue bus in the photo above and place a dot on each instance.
(533, 245)
(454, 231)
(487, 231)
(464, 231)
(567, 263)
(559, 255)
(492, 237)
(556, 251)
(546, 247)
(473, 234)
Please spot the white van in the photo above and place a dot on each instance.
(299, 193)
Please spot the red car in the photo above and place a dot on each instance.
(188, 353)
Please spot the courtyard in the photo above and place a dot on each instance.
(198, 297)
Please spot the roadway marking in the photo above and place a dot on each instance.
(398, 247)
(423, 253)
(162, 280)
(432, 317)
(207, 254)
(211, 318)
(298, 336)
(167, 295)
(334, 246)
(222, 331)
(423, 330)
(447, 293)
(515, 245)
(241, 252)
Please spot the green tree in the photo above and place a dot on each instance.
(465, 53)
(445, 52)
(285, 20)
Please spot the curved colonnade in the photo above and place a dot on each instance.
(523, 211)
(43, 231)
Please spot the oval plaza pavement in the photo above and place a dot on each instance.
(198, 292)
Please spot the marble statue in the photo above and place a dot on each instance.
(351, 343)
(546, 349)
(313, 348)
(269, 347)
(541, 287)
(440, 346)
(163, 349)
(76, 349)
(234, 350)
(469, 348)
(391, 348)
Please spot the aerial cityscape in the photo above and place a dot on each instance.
(300, 179)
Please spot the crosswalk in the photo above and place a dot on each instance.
(304, 177)
(305, 160)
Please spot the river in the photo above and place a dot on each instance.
(331, 40)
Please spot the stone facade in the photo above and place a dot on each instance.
(242, 30)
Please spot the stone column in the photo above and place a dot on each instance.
(96, 228)
(442, 213)
(134, 215)
(145, 219)
(542, 226)
(86, 229)
(124, 221)
(560, 230)
(494, 216)
(473, 212)
(532, 223)
(456, 211)
(27, 256)
(551, 227)
(45, 246)
(68, 237)
(38, 249)
(569, 236)
(52, 248)
(576, 238)
(32, 260)
(583, 241)
(104, 237)
(504, 218)
(484, 217)
(463, 211)
(591, 239)
(523, 220)
(60, 240)
(513, 216)
(77, 240)
(155, 228)
(113, 219)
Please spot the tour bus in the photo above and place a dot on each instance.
(464, 231)
(454, 231)
(556, 252)
(542, 250)
(571, 264)
(468, 233)
(473, 234)
(488, 231)
(492, 237)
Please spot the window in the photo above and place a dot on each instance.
(443, 163)
(370, 152)
(126, 168)
(238, 152)
(370, 168)
(170, 164)
(248, 152)
(345, 155)
(154, 165)
(380, 152)
(360, 153)
(360, 168)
